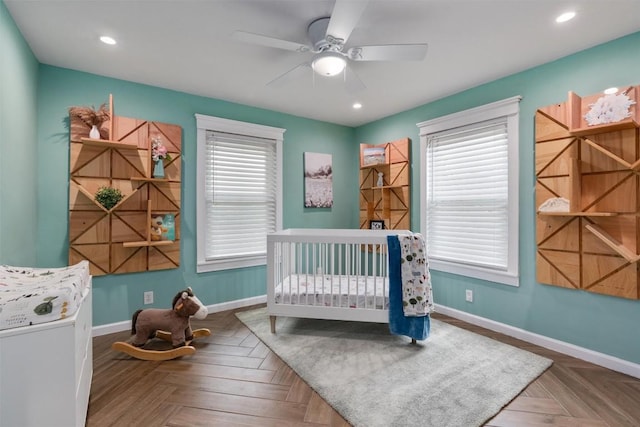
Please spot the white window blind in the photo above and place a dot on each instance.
(469, 173)
(240, 188)
(467, 194)
(239, 192)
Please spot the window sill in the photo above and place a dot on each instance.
(229, 264)
(504, 277)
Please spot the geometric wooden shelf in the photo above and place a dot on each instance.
(595, 246)
(389, 202)
(119, 240)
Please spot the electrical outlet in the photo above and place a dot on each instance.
(469, 295)
(148, 297)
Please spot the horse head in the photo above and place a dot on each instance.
(186, 304)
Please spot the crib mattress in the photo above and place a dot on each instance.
(334, 291)
(29, 296)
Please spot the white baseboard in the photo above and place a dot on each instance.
(215, 308)
(582, 353)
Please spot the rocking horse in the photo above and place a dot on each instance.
(172, 325)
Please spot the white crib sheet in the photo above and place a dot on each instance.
(335, 291)
(29, 296)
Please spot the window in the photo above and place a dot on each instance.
(469, 194)
(239, 192)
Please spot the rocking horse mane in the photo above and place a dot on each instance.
(179, 296)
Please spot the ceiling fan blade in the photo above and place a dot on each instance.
(261, 40)
(296, 72)
(352, 82)
(392, 52)
(345, 16)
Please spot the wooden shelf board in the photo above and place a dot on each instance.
(147, 243)
(578, 213)
(388, 186)
(605, 128)
(612, 243)
(108, 143)
(145, 179)
(376, 165)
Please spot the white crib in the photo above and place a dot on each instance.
(338, 274)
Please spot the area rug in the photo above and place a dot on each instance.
(372, 378)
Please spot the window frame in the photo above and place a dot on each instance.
(206, 123)
(510, 109)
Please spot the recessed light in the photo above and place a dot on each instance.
(107, 40)
(357, 106)
(567, 16)
(611, 90)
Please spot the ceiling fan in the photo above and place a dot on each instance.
(328, 37)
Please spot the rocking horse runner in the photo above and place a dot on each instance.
(168, 324)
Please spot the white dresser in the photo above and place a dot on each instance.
(46, 370)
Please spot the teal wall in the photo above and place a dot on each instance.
(34, 173)
(601, 323)
(117, 296)
(18, 84)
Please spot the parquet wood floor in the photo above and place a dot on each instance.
(235, 380)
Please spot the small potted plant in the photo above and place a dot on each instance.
(92, 118)
(108, 197)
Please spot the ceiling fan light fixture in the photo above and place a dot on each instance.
(328, 63)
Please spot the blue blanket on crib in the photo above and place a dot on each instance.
(414, 327)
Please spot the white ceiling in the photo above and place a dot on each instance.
(186, 45)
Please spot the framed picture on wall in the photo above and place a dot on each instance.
(375, 224)
(318, 180)
(373, 156)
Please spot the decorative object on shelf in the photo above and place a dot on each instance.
(380, 182)
(158, 154)
(158, 169)
(318, 180)
(92, 118)
(610, 108)
(373, 156)
(555, 204)
(94, 133)
(157, 228)
(170, 227)
(108, 196)
(375, 224)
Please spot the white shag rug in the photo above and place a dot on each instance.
(372, 378)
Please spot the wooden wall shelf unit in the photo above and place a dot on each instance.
(391, 201)
(595, 246)
(119, 240)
